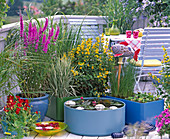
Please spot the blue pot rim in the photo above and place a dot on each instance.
(95, 110)
(35, 99)
(134, 101)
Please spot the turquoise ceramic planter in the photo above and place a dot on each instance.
(39, 104)
(138, 112)
(93, 122)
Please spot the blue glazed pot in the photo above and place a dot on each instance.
(138, 112)
(93, 122)
(39, 104)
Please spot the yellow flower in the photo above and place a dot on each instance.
(81, 64)
(80, 67)
(107, 72)
(102, 34)
(92, 67)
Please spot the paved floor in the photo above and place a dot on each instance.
(145, 86)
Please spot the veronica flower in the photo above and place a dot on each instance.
(45, 26)
(21, 26)
(56, 34)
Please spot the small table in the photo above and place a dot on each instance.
(134, 43)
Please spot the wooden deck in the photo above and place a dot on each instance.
(145, 86)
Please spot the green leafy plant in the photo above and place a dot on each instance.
(91, 62)
(18, 116)
(127, 80)
(8, 68)
(3, 9)
(60, 78)
(164, 79)
(163, 123)
(143, 97)
(121, 10)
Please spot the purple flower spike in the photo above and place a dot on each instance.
(45, 26)
(56, 34)
(46, 46)
(21, 26)
(51, 32)
(25, 40)
(44, 39)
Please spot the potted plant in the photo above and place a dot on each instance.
(36, 47)
(94, 116)
(139, 107)
(91, 63)
(61, 87)
(18, 119)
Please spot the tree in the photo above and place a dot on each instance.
(15, 8)
(50, 7)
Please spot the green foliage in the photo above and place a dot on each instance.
(127, 80)
(3, 9)
(50, 7)
(164, 79)
(123, 11)
(8, 67)
(91, 61)
(15, 8)
(157, 12)
(143, 97)
(60, 78)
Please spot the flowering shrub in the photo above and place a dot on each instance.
(163, 122)
(34, 43)
(164, 89)
(157, 12)
(91, 62)
(18, 115)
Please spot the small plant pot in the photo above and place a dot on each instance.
(139, 112)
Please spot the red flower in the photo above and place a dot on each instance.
(26, 101)
(36, 112)
(18, 97)
(19, 105)
(6, 109)
(81, 98)
(25, 108)
(20, 100)
(27, 105)
(10, 97)
(17, 111)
